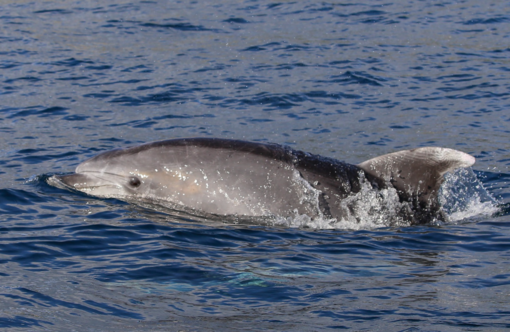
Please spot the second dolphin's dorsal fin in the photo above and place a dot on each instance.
(417, 174)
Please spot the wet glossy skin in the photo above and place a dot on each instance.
(230, 177)
(218, 176)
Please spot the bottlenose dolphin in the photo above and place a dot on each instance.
(223, 177)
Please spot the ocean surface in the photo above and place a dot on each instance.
(349, 80)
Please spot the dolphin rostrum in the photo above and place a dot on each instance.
(222, 177)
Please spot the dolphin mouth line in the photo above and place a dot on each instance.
(91, 180)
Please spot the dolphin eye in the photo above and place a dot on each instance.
(134, 182)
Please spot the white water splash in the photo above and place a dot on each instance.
(462, 196)
(367, 209)
(371, 208)
(310, 200)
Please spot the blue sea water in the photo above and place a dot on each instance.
(345, 79)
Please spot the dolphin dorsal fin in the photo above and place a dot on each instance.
(418, 173)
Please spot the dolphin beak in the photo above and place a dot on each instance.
(74, 181)
(80, 181)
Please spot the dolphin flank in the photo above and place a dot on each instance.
(222, 177)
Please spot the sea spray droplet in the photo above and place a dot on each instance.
(463, 196)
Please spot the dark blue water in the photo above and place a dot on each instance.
(348, 80)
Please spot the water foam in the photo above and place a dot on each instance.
(369, 208)
(462, 196)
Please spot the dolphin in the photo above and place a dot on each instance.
(224, 177)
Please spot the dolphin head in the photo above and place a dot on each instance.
(172, 173)
(113, 174)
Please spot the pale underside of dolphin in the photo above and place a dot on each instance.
(222, 177)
